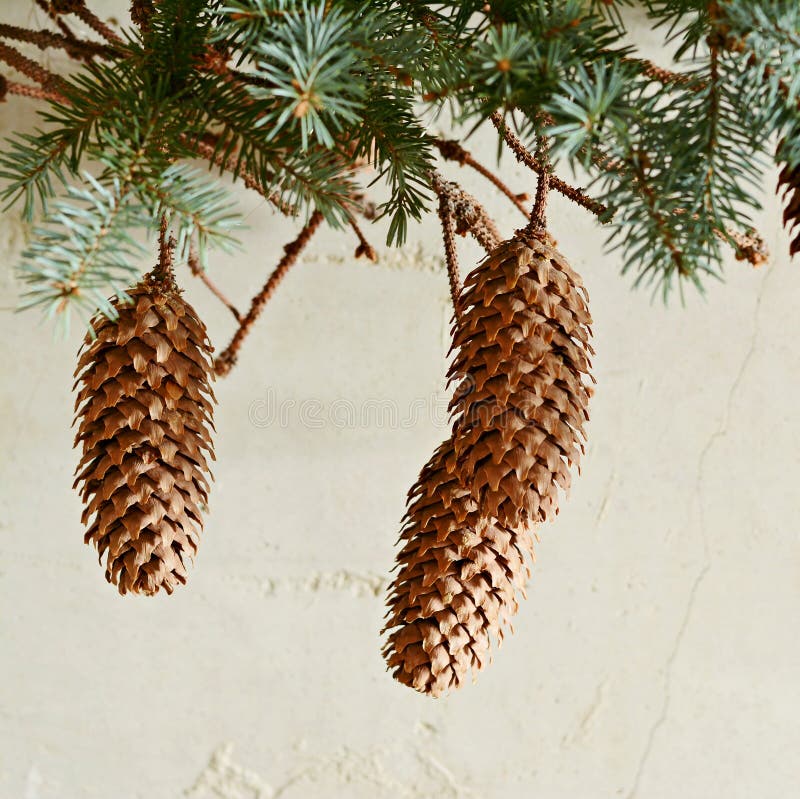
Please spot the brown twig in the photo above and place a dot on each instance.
(35, 92)
(53, 15)
(197, 270)
(538, 221)
(528, 159)
(230, 164)
(79, 9)
(452, 150)
(364, 247)
(225, 361)
(468, 214)
(28, 67)
(76, 48)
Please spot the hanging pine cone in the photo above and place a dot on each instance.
(789, 187)
(522, 355)
(457, 583)
(144, 411)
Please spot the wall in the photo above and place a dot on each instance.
(656, 655)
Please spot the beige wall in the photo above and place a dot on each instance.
(656, 655)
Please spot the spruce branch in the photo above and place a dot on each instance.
(83, 247)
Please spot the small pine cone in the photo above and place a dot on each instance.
(457, 583)
(789, 187)
(522, 353)
(144, 410)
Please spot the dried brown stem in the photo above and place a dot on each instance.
(35, 92)
(528, 159)
(364, 247)
(76, 48)
(469, 215)
(198, 271)
(28, 67)
(79, 9)
(447, 219)
(251, 181)
(538, 222)
(225, 361)
(452, 150)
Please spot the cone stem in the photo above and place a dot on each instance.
(538, 220)
(166, 248)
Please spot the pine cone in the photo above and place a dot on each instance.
(789, 187)
(457, 583)
(522, 352)
(144, 410)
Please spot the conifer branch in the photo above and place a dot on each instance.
(216, 156)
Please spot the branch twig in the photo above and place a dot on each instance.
(469, 215)
(446, 217)
(76, 48)
(364, 247)
(28, 67)
(209, 153)
(35, 92)
(452, 150)
(79, 9)
(538, 221)
(197, 270)
(527, 158)
(227, 358)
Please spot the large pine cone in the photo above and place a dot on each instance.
(457, 583)
(144, 411)
(522, 356)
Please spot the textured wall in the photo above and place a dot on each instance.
(655, 657)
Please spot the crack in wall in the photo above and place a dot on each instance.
(720, 432)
